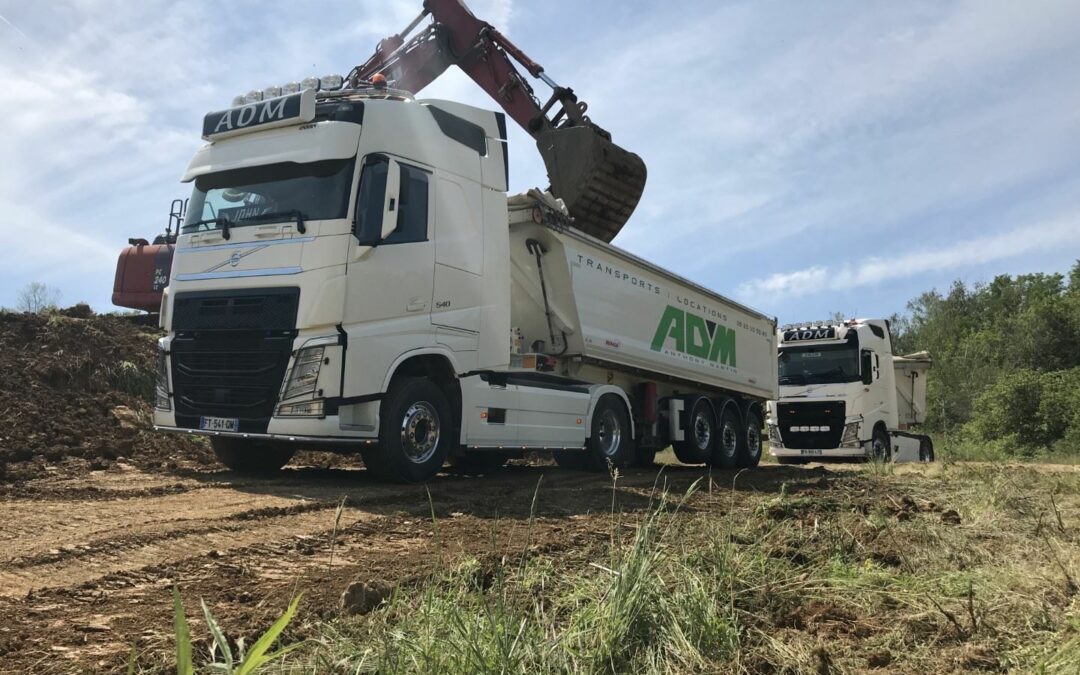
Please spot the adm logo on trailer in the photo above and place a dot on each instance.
(695, 336)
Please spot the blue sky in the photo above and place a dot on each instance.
(804, 158)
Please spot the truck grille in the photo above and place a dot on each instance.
(230, 353)
(811, 415)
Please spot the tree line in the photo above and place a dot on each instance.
(1006, 353)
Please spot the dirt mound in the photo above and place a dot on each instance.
(76, 395)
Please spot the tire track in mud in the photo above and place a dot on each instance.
(54, 544)
(247, 546)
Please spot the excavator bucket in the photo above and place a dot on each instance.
(599, 182)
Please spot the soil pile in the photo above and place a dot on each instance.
(76, 395)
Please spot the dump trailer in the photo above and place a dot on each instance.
(844, 394)
(352, 277)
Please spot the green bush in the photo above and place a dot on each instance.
(1028, 412)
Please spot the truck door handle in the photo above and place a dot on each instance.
(416, 305)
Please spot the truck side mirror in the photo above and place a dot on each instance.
(866, 367)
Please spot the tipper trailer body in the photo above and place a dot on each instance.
(352, 276)
(844, 394)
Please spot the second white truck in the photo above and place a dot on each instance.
(352, 276)
(844, 394)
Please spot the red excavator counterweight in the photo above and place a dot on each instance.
(142, 272)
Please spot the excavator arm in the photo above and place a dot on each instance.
(599, 181)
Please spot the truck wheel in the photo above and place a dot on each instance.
(414, 432)
(247, 455)
(726, 451)
(700, 435)
(879, 446)
(926, 449)
(611, 442)
(750, 450)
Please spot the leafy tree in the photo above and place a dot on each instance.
(994, 347)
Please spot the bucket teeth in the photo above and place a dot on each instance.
(599, 181)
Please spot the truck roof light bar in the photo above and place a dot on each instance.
(809, 324)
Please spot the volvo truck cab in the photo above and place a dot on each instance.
(844, 394)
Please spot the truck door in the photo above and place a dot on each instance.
(390, 270)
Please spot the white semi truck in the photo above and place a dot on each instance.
(844, 394)
(352, 276)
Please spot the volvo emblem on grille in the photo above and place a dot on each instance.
(234, 259)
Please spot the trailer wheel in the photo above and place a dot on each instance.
(700, 435)
(750, 450)
(728, 441)
(415, 432)
(926, 449)
(247, 455)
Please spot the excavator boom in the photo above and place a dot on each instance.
(599, 181)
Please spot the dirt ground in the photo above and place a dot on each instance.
(88, 563)
(101, 517)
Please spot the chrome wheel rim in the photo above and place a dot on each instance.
(609, 433)
(729, 440)
(702, 430)
(420, 432)
(753, 441)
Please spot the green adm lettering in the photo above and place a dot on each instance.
(695, 336)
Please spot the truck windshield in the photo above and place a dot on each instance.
(270, 193)
(823, 364)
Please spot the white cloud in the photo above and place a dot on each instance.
(778, 136)
(878, 270)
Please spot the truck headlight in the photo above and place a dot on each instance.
(161, 385)
(851, 434)
(304, 375)
(774, 435)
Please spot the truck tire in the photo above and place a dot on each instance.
(247, 455)
(728, 440)
(926, 449)
(879, 446)
(610, 442)
(414, 432)
(750, 449)
(700, 434)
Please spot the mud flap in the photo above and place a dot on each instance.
(599, 181)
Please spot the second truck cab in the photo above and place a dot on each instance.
(844, 394)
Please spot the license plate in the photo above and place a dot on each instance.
(219, 424)
(815, 453)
